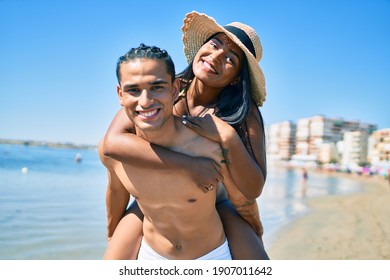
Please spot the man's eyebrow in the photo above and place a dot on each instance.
(231, 50)
(156, 82)
(127, 86)
(159, 82)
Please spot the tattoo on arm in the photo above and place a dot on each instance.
(225, 152)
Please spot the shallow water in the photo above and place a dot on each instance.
(283, 200)
(56, 210)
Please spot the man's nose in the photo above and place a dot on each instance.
(145, 98)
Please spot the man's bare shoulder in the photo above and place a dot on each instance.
(193, 144)
(108, 162)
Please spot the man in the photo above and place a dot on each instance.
(180, 220)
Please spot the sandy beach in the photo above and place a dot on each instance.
(353, 227)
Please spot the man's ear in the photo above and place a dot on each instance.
(120, 93)
(176, 89)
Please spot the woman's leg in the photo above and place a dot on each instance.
(126, 240)
(243, 242)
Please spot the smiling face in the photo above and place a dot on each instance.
(146, 92)
(218, 62)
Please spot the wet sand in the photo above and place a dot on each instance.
(353, 226)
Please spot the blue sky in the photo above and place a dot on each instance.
(57, 59)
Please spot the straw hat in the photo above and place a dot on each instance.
(197, 28)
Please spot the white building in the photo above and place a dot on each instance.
(281, 140)
(329, 153)
(323, 139)
(355, 148)
(302, 137)
(318, 136)
(379, 147)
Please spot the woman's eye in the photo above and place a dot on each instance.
(230, 60)
(213, 45)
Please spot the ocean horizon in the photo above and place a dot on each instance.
(52, 202)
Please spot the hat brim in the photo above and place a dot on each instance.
(197, 28)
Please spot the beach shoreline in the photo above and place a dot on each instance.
(352, 226)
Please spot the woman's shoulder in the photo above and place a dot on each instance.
(254, 115)
(179, 108)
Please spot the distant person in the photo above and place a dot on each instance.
(78, 158)
(388, 175)
(180, 221)
(223, 80)
(304, 178)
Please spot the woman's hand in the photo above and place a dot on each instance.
(210, 127)
(205, 173)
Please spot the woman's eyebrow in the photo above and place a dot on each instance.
(231, 50)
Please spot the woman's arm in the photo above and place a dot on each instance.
(256, 131)
(251, 171)
(130, 149)
(247, 173)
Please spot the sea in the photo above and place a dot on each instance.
(52, 202)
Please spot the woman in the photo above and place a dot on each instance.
(223, 81)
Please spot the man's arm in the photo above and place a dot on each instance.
(132, 150)
(117, 197)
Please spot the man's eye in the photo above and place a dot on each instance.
(132, 90)
(157, 88)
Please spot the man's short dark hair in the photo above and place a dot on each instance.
(144, 51)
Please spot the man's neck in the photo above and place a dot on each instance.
(163, 136)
